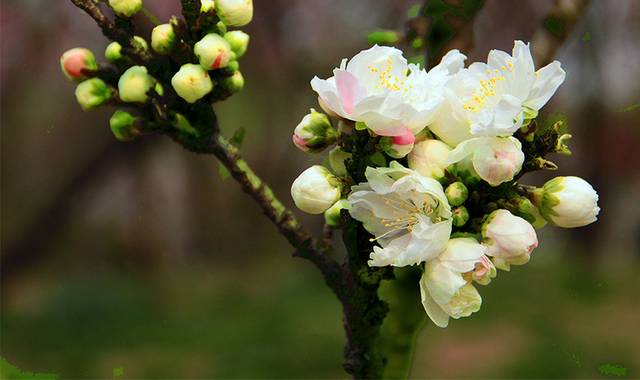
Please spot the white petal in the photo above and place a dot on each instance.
(547, 81)
(327, 90)
(433, 310)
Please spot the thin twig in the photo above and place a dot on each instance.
(556, 28)
(112, 32)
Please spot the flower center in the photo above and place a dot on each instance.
(487, 88)
(409, 214)
(387, 80)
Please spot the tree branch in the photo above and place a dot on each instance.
(111, 31)
(556, 28)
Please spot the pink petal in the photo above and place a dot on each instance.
(405, 137)
(349, 89)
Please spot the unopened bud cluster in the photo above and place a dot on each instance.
(429, 163)
(210, 73)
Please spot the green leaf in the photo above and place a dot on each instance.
(360, 126)
(238, 137)
(118, 372)
(223, 172)
(630, 108)
(383, 37)
(586, 37)
(378, 159)
(414, 10)
(182, 123)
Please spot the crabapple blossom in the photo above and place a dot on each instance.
(568, 202)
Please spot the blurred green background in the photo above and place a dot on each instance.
(139, 257)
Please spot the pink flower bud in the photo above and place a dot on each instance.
(76, 62)
(509, 239)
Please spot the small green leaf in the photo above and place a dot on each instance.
(630, 108)
(554, 26)
(414, 10)
(612, 370)
(118, 372)
(378, 159)
(223, 172)
(383, 37)
(586, 37)
(360, 126)
(238, 137)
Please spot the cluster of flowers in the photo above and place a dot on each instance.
(445, 196)
(217, 51)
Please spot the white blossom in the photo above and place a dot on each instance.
(445, 292)
(378, 87)
(406, 212)
(490, 99)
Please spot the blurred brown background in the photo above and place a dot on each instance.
(138, 256)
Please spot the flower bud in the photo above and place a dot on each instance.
(191, 82)
(429, 158)
(337, 156)
(495, 159)
(459, 216)
(113, 52)
(466, 302)
(456, 193)
(567, 202)
(315, 190)
(163, 38)
(125, 8)
(314, 133)
(76, 61)
(400, 145)
(235, 12)
(332, 215)
(122, 125)
(525, 209)
(207, 6)
(233, 83)
(134, 84)
(509, 239)
(93, 93)
(140, 43)
(238, 40)
(484, 271)
(213, 51)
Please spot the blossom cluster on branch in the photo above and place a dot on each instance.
(183, 62)
(429, 163)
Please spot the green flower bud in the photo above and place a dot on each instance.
(332, 215)
(125, 8)
(76, 62)
(213, 51)
(456, 193)
(238, 40)
(191, 82)
(337, 156)
(314, 133)
(134, 84)
(567, 202)
(207, 6)
(163, 38)
(122, 125)
(233, 66)
(234, 83)
(235, 12)
(459, 216)
(525, 209)
(140, 43)
(113, 52)
(93, 93)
